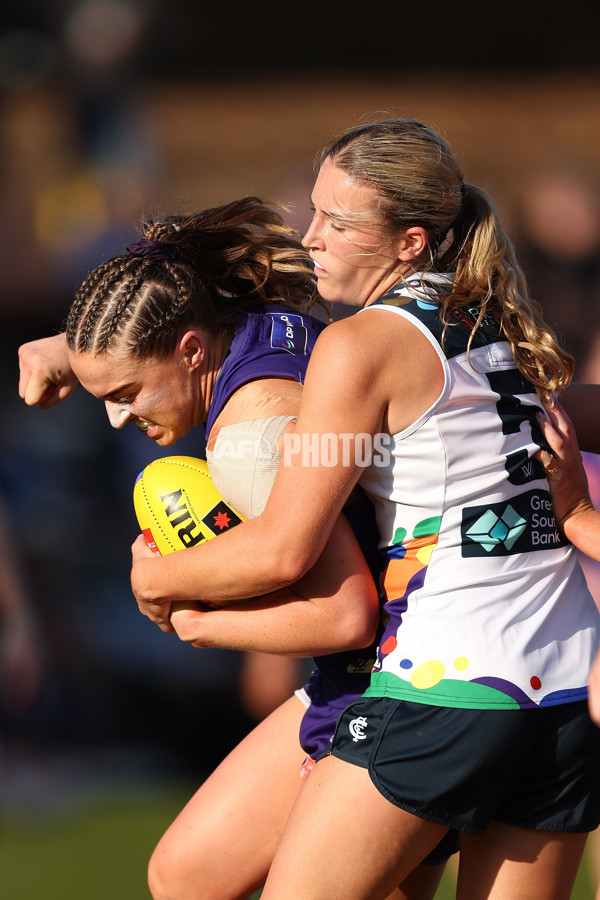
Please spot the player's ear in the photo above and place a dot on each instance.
(191, 348)
(412, 243)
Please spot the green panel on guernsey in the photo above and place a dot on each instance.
(449, 692)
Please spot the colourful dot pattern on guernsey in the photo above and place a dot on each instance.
(406, 566)
(404, 573)
(428, 674)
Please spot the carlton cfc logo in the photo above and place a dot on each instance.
(357, 728)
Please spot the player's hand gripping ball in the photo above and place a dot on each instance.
(178, 506)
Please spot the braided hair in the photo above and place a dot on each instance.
(204, 269)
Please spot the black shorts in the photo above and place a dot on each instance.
(534, 768)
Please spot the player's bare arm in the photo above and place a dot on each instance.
(46, 377)
(333, 608)
(341, 399)
(573, 508)
(594, 691)
(264, 555)
(579, 399)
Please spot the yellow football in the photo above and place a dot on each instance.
(178, 506)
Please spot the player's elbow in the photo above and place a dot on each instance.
(359, 624)
(354, 636)
(291, 570)
(362, 632)
(288, 563)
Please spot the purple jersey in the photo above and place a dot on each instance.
(274, 342)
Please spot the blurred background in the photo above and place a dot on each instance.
(112, 110)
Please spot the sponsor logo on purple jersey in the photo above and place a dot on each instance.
(288, 332)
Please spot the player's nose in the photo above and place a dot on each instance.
(117, 413)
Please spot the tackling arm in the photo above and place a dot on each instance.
(281, 545)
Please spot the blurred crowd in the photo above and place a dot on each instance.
(89, 146)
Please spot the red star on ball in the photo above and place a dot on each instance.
(222, 520)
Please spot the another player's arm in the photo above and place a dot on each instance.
(573, 509)
(45, 373)
(571, 501)
(333, 608)
(580, 402)
(594, 691)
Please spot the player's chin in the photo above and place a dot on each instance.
(330, 293)
(165, 439)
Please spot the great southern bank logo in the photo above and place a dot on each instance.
(524, 524)
(490, 530)
(288, 332)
